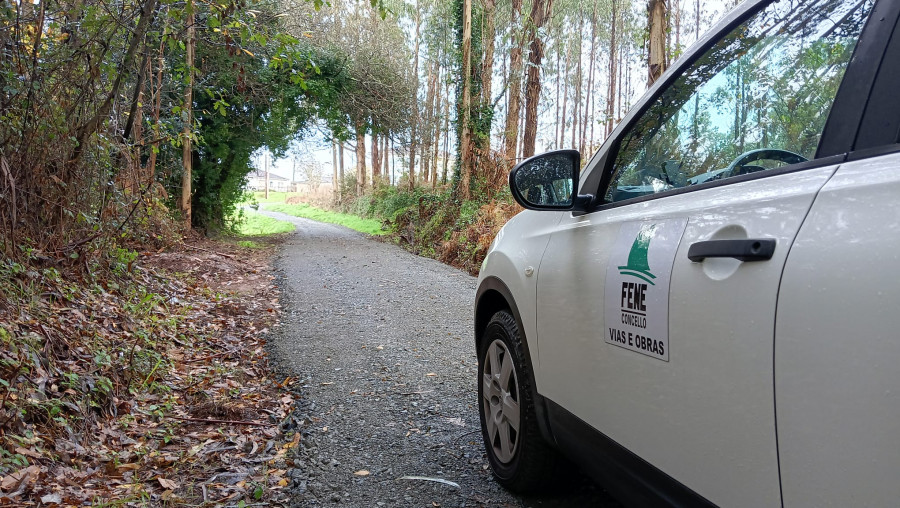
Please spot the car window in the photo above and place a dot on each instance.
(757, 100)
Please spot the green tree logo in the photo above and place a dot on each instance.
(638, 266)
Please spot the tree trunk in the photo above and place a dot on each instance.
(335, 183)
(436, 138)
(360, 158)
(415, 116)
(628, 88)
(501, 111)
(376, 159)
(465, 117)
(520, 144)
(540, 12)
(436, 132)
(157, 108)
(562, 132)
(613, 56)
(341, 170)
(576, 105)
(446, 132)
(677, 27)
(134, 111)
(697, 21)
(138, 133)
(427, 122)
(511, 129)
(186, 161)
(656, 58)
(558, 82)
(589, 109)
(384, 165)
(488, 34)
(87, 129)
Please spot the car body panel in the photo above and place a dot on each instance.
(837, 347)
(705, 417)
(724, 415)
(524, 239)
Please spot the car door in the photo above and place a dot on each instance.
(656, 311)
(836, 347)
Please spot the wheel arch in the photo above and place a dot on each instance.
(493, 296)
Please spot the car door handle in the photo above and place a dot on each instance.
(751, 249)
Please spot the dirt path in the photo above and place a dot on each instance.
(382, 340)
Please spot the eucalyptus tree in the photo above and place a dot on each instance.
(540, 11)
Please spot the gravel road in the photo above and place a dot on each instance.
(382, 341)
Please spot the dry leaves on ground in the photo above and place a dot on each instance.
(150, 385)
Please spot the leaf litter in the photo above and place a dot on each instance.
(149, 384)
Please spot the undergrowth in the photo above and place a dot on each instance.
(432, 222)
(73, 348)
(105, 370)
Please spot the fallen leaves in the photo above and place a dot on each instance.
(150, 385)
(167, 484)
(18, 479)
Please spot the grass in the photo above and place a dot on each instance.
(256, 224)
(368, 226)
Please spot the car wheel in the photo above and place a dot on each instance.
(519, 457)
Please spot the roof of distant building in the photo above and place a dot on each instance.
(262, 174)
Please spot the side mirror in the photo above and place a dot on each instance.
(549, 182)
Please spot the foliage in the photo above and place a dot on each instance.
(368, 60)
(92, 113)
(260, 97)
(435, 223)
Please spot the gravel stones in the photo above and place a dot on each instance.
(383, 341)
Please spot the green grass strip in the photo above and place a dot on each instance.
(256, 224)
(368, 226)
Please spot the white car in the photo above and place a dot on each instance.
(709, 312)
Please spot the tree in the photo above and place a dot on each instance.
(613, 57)
(413, 140)
(187, 110)
(511, 131)
(312, 172)
(467, 156)
(656, 28)
(540, 11)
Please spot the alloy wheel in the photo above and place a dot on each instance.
(500, 394)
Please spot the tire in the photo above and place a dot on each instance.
(520, 459)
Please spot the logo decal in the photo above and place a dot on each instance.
(638, 266)
(636, 297)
